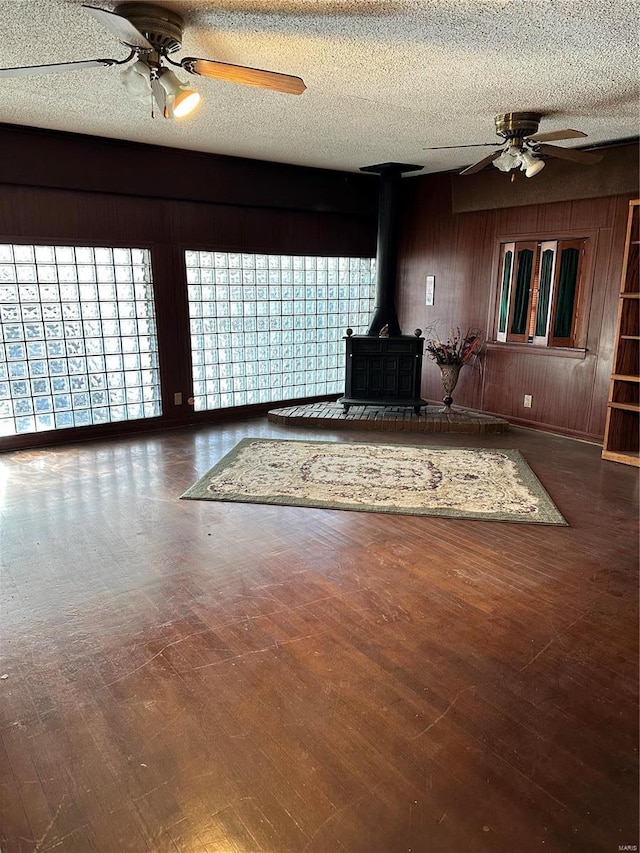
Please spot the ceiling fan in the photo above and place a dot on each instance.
(153, 33)
(524, 145)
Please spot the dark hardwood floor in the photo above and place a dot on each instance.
(195, 676)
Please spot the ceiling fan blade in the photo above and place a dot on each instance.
(56, 67)
(584, 157)
(243, 74)
(121, 28)
(474, 145)
(470, 170)
(554, 135)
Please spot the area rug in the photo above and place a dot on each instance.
(413, 480)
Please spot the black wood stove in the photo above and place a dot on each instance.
(383, 371)
(384, 367)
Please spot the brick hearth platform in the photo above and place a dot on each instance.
(391, 418)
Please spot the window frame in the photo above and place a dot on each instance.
(573, 346)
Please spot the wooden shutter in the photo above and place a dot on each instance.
(567, 293)
(522, 283)
(543, 302)
(504, 289)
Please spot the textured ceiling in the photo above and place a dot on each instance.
(385, 78)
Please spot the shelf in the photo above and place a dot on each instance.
(625, 407)
(627, 457)
(622, 426)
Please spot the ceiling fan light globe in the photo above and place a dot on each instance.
(501, 162)
(136, 80)
(169, 82)
(185, 103)
(508, 160)
(536, 167)
(530, 164)
(181, 99)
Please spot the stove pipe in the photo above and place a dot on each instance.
(387, 250)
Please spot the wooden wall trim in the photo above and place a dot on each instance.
(553, 352)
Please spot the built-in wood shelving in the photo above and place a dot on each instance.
(622, 427)
(627, 407)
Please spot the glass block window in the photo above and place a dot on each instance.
(78, 339)
(270, 327)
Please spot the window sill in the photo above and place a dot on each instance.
(562, 352)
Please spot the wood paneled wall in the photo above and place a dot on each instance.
(63, 188)
(59, 188)
(569, 394)
(39, 158)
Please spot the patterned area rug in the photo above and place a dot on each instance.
(414, 480)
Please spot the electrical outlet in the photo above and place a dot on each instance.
(528, 400)
(177, 398)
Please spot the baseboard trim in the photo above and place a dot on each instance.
(552, 429)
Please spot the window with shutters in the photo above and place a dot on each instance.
(541, 292)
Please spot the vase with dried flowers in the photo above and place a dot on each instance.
(451, 355)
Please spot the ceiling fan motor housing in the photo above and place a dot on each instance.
(517, 125)
(161, 27)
